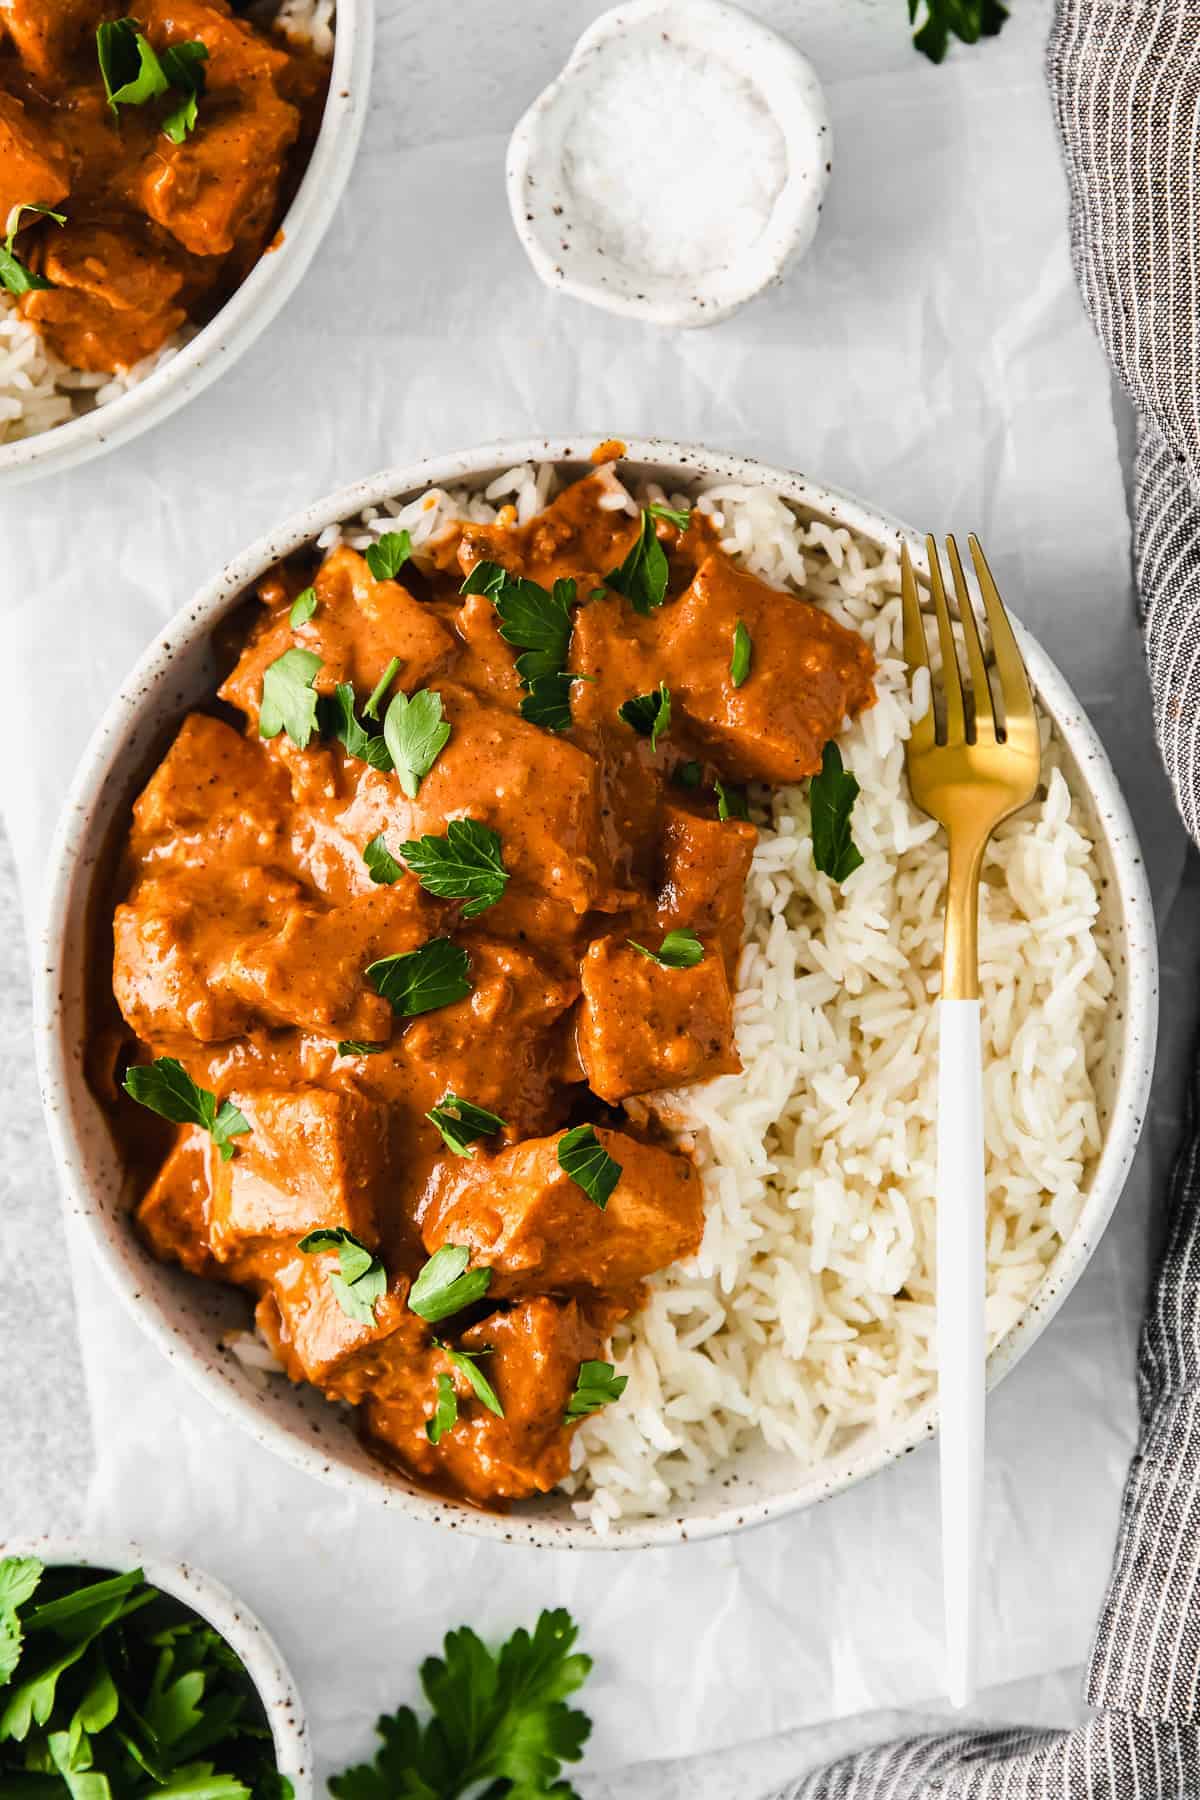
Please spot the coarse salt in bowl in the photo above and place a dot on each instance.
(676, 166)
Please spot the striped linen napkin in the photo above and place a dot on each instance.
(1125, 85)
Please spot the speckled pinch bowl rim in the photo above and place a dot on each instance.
(213, 1601)
(253, 305)
(547, 1523)
(712, 295)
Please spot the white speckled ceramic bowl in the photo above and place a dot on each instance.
(223, 1611)
(187, 1318)
(570, 255)
(250, 309)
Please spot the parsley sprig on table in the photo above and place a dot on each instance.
(110, 1690)
(165, 1087)
(500, 1722)
(968, 20)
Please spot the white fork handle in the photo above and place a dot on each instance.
(960, 1332)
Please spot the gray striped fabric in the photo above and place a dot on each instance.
(1125, 85)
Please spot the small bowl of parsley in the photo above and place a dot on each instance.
(124, 1677)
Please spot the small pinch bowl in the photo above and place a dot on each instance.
(252, 306)
(188, 1318)
(221, 1609)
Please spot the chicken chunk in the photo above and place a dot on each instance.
(583, 534)
(531, 1357)
(703, 865)
(302, 1319)
(308, 972)
(236, 53)
(313, 1157)
(34, 165)
(807, 674)
(47, 32)
(114, 295)
(521, 1215)
(220, 183)
(174, 1215)
(215, 795)
(643, 1027)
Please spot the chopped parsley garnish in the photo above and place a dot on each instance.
(731, 801)
(500, 1724)
(302, 608)
(288, 701)
(352, 1047)
(415, 734)
(371, 709)
(360, 1280)
(966, 19)
(649, 714)
(643, 576)
(381, 864)
(537, 621)
(445, 1411)
(167, 1089)
(596, 1385)
(466, 1362)
(386, 558)
(338, 720)
(743, 654)
(688, 775)
(110, 1688)
(679, 516)
(583, 1157)
(678, 950)
(464, 865)
(445, 1285)
(831, 795)
(134, 73)
(14, 276)
(418, 981)
(461, 1123)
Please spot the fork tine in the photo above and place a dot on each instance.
(956, 724)
(1014, 682)
(985, 719)
(916, 651)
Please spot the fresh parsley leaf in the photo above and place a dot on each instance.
(288, 701)
(831, 795)
(303, 607)
(14, 275)
(381, 864)
(338, 720)
(548, 701)
(649, 714)
(461, 1123)
(167, 1089)
(416, 734)
(731, 801)
(464, 865)
(968, 20)
(130, 69)
(596, 1385)
(678, 950)
(538, 622)
(19, 1578)
(680, 516)
(467, 1363)
(500, 1722)
(418, 981)
(688, 775)
(583, 1157)
(445, 1411)
(371, 709)
(643, 576)
(445, 1285)
(183, 66)
(360, 1280)
(743, 654)
(352, 1047)
(386, 558)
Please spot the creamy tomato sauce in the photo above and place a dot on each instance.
(247, 918)
(156, 232)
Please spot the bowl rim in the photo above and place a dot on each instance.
(687, 461)
(253, 305)
(242, 1630)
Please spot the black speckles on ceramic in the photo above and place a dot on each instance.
(251, 308)
(187, 1318)
(224, 1612)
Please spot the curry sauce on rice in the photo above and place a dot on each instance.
(540, 1013)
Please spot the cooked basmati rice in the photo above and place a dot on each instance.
(37, 389)
(808, 1314)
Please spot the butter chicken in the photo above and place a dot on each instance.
(454, 869)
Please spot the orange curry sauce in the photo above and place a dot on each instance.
(156, 233)
(247, 917)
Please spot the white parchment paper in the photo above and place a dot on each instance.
(931, 353)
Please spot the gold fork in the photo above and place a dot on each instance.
(969, 770)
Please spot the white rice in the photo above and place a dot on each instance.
(37, 389)
(808, 1315)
